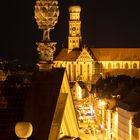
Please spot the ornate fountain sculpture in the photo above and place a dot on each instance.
(46, 15)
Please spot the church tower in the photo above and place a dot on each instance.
(74, 28)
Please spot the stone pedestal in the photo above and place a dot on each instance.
(45, 66)
(46, 15)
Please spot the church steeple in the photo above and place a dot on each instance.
(74, 28)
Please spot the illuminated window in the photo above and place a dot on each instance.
(118, 65)
(88, 69)
(126, 65)
(70, 71)
(109, 65)
(74, 71)
(79, 93)
(97, 68)
(81, 69)
(101, 67)
(134, 65)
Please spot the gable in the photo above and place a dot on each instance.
(85, 56)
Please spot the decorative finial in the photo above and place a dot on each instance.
(23, 130)
(46, 15)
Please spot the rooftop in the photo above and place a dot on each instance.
(102, 54)
(132, 101)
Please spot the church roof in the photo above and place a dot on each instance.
(103, 54)
(116, 54)
(65, 56)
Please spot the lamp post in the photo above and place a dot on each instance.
(23, 130)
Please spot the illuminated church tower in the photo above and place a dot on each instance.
(74, 28)
(87, 64)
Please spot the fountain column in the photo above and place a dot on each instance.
(46, 15)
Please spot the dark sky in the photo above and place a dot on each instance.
(105, 23)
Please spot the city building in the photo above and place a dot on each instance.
(136, 126)
(125, 124)
(79, 90)
(84, 63)
(114, 128)
(44, 97)
(127, 108)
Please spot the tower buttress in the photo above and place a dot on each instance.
(74, 28)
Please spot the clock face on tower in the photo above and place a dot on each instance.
(73, 28)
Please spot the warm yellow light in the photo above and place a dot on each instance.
(79, 93)
(116, 119)
(91, 109)
(130, 128)
(75, 8)
(101, 103)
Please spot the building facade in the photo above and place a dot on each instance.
(125, 124)
(136, 126)
(84, 63)
(135, 133)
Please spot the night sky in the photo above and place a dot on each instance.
(105, 23)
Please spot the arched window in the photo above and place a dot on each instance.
(101, 67)
(134, 66)
(126, 65)
(81, 69)
(118, 65)
(69, 71)
(88, 71)
(97, 68)
(74, 71)
(109, 65)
